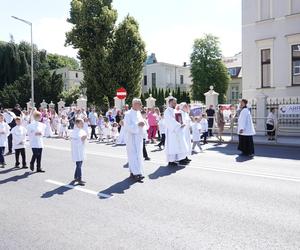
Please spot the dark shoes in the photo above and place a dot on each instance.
(172, 164)
(137, 178)
(40, 171)
(184, 162)
(147, 159)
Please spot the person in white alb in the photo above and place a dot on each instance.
(245, 130)
(78, 140)
(36, 131)
(162, 130)
(184, 109)
(133, 124)
(176, 146)
(19, 139)
(4, 132)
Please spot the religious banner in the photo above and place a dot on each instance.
(289, 109)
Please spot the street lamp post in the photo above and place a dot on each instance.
(32, 78)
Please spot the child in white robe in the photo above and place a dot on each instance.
(48, 130)
(4, 132)
(19, 140)
(36, 131)
(106, 129)
(114, 132)
(64, 123)
(121, 138)
(100, 125)
(78, 139)
(196, 134)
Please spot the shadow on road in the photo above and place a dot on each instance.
(118, 188)
(10, 170)
(17, 178)
(164, 171)
(57, 191)
(260, 150)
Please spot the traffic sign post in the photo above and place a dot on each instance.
(121, 94)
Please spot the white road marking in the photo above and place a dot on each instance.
(208, 168)
(79, 189)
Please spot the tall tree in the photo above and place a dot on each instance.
(92, 33)
(128, 57)
(57, 61)
(208, 69)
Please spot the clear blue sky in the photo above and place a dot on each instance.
(168, 27)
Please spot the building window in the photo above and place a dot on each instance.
(181, 79)
(145, 81)
(295, 6)
(232, 71)
(76, 75)
(153, 80)
(235, 93)
(296, 64)
(265, 9)
(266, 68)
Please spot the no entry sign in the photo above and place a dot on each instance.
(121, 93)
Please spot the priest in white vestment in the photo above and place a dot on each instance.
(245, 130)
(186, 119)
(176, 145)
(133, 125)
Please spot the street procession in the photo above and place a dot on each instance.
(150, 125)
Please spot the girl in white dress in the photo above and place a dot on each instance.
(100, 125)
(48, 130)
(114, 132)
(64, 123)
(106, 129)
(121, 138)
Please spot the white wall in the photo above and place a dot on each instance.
(277, 33)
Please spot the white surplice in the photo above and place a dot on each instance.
(134, 141)
(245, 123)
(187, 131)
(4, 130)
(77, 145)
(176, 146)
(36, 141)
(19, 136)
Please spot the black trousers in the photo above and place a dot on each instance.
(9, 139)
(163, 140)
(246, 144)
(210, 126)
(145, 154)
(18, 152)
(36, 156)
(93, 133)
(204, 136)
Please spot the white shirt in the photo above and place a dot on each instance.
(204, 125)
(245, 123)
(9, 116)
(77, 145)
(93, 118)
(36, 141)
(3, 137)
(196, 128)
(19, 136)
(271, 120)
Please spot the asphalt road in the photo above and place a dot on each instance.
(219, 201)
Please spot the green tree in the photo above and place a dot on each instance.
(208, 69)
(92, 33)
(71, 95)
(56, 61)
(128, 57)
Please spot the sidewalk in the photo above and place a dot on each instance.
(289, 141)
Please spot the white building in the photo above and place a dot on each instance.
(234, 67)
(165, 75)
(271, 48)
(71, 78)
